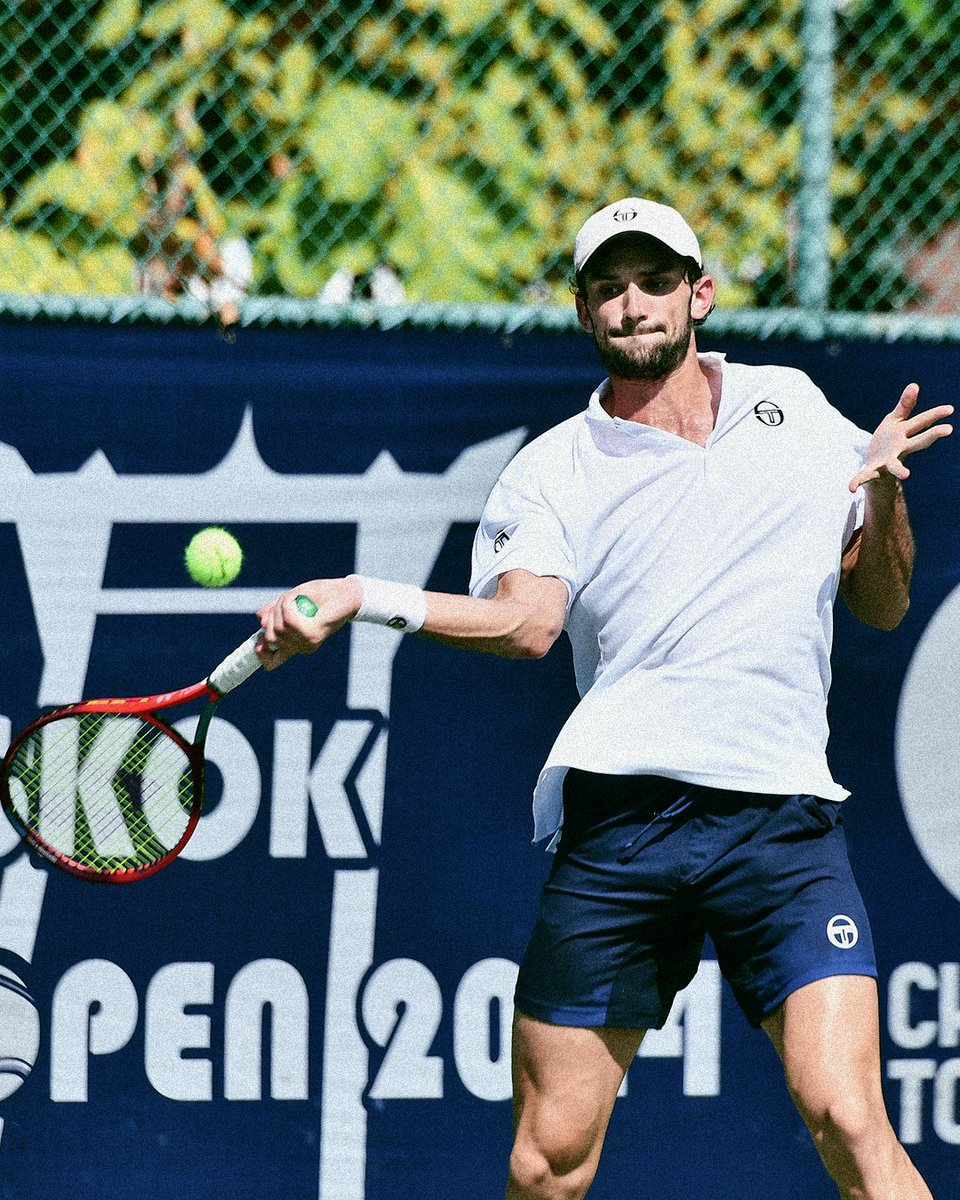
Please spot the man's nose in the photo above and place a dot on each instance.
(634, 302)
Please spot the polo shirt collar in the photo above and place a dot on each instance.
(596, 411)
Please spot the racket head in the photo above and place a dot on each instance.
(105, 790)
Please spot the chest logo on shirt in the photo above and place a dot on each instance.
(767, 412)
(500, 541)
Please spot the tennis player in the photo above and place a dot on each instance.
(690, 530)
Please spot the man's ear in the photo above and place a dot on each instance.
(703, 299)
(583, 315)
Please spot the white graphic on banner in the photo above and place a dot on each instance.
(928, 744)
(402, 520)
(927, 748)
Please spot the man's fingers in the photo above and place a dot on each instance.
(920, 441)
(275, 657)
(908, 397)
(869, 474)
(930, 417)
(861, 478)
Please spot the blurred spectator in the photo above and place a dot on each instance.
(181, 249)
(382, 285)
(229, 272)
(934, 269)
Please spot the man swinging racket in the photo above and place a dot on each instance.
(690, 531)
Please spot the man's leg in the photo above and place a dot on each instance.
(828, 1037)
(565, 1082)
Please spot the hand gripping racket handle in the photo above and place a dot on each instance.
(244, 661)
(236, 667)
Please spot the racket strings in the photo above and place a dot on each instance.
(106, 791)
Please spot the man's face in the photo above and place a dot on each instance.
(637, 305)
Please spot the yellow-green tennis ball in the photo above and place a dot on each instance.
(213, 557)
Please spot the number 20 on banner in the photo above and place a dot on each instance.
(402, 1007)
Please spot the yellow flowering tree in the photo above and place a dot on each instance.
(460, 142)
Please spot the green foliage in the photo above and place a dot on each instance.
(460, 141)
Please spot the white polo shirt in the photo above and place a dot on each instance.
(701, 583)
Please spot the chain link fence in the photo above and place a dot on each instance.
(293, 156)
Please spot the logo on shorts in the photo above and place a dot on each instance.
(500, 541)
(843, 932)
(767, 412)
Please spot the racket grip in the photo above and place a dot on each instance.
(236, 667)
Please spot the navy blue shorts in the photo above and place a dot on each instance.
(647, 867)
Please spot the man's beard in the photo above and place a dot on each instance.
(653, 362)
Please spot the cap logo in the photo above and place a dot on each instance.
(625, 214)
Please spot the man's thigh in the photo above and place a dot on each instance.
(566, 1078)
(827, 1035)
(783, 908)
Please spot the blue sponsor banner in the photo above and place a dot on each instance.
(315, 999)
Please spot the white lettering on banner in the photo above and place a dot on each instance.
(482, 1018)
(299, 785)
(402, 1006)
(927, 744)
(169, 1030)
(909, 982)
(64, 521)
(265, 1023)
(267, 983)
(94, 1011)
(923, 1010)
(913, 1074)
(222, 828)
(335, 787)
(692, 1033)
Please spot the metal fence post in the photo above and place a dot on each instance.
(816, 157)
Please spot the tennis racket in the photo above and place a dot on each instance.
(108, 789)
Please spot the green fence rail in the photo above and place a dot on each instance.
(431, 160)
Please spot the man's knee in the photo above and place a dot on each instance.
(850, 1119)
(851, 1131)
(560, 1172)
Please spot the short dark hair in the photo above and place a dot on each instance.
(692, 271)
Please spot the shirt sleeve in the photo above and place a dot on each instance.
(852, 444)
(859, 442)
(519, 531)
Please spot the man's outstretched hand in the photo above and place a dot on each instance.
(901, 433)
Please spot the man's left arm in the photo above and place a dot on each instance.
(877, 564)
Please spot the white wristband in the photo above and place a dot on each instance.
(400, 606)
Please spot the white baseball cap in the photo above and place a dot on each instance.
(633, 215)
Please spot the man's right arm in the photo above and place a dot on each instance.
(522, 620)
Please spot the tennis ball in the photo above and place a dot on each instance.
(213, 557)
